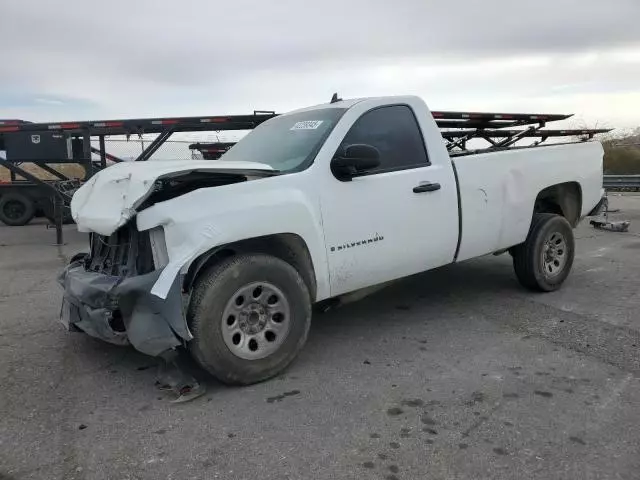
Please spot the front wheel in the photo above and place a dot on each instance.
(544, 260)
(250, 316)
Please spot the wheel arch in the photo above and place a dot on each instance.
(288, 247)
(562, 199)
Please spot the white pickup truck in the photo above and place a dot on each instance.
(227, 257)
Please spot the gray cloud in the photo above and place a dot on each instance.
(181, 41)
(132, 54)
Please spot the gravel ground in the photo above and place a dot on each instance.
(456, 373)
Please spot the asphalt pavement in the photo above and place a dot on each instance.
(457, 373)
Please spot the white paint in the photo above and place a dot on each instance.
(419, 231)
(200, 220)
(498, 190)
(414, 232)
(109, 199)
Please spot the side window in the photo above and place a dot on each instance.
(395, 133)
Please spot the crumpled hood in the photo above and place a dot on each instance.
(110, 198)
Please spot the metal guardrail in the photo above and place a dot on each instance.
(621, 182)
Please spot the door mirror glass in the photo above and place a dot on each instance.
(354, 160)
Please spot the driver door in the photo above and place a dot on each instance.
(384, 224)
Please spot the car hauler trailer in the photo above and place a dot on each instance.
(48, 145)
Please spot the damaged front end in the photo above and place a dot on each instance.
(107, 292)
(128, 289)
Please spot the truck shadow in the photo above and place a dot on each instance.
(457, 286)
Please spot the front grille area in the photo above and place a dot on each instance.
(124, 253)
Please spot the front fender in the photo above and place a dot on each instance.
(204, 219)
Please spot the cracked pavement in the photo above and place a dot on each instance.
(455, 373)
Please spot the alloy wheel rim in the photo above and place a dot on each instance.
(256, 320)
(554, 254)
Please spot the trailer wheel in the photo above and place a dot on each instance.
(16, 210)
(544, 260)
(250, 316)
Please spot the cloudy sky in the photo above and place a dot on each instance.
(90, 59)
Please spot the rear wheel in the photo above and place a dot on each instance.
(544, 260)
(250, 316)
(16, 209)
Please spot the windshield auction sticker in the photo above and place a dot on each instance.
(307, 125)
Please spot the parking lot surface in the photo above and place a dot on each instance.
(455, 373)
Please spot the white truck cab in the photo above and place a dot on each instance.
(227, 257)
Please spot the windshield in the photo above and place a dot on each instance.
(288, 142)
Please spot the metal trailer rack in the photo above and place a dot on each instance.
(458, 128)
(497, 129)
(58, 192)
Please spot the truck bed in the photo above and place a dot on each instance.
(499, 188)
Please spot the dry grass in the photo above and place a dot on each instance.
(622, 154)
(71, 170)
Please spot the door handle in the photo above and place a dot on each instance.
(426, 187)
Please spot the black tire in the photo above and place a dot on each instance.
(530, 260)
(16, 209)
(213, 292)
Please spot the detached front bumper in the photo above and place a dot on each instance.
(122, 311)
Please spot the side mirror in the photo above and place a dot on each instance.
(356, 159)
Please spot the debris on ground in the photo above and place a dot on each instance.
(190, 392)
(173, 376)
(604, 224)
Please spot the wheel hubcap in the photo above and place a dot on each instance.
(554, 254)
(256, 321)
(14, 209)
